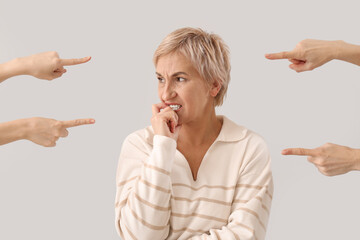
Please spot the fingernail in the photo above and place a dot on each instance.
(92, 120)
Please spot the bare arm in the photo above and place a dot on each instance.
(42, 131)
(45, 65)
(12, 131)
(349, 53)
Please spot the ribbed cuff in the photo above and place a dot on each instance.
(163, 152)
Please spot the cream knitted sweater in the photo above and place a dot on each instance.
(157, 197)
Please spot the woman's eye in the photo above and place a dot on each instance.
(180, 79)
(161, 80)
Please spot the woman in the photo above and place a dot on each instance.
(192, 174)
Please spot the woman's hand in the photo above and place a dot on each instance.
(47, 65)
(330, 159)
(309, 54)
(165, 121)
(46, 132)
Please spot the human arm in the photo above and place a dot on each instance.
(142, 208)
(143, 195)
(252, 199)
(42, 131)
(310, 54)
(330, 159)
(45, 65)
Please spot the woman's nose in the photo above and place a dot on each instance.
(169, 92)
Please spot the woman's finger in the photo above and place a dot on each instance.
(156, 108)
(296, 61)
(64, 133)
(170, 117)
(74, 61)
(280, 55)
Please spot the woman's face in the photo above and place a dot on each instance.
(180, 84)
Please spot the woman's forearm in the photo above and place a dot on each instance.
(11, 69)
(356, 159)
(12, 131)
(144, 189)
(348, 52)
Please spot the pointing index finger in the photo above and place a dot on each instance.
(77, 122)
(74, 61)
(298, 152)
(280, 55)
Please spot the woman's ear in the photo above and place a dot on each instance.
(215, 88)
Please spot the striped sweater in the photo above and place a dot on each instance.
(157, 197)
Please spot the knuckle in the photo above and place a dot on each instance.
(321, 169)
(57, 134)
(321, 151)
(325, 171)
(300, 44)
(47, 143)
(156, 118)
(57, 61)
(57, 124)
(321, 163)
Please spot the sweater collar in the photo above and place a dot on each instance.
(230, 132)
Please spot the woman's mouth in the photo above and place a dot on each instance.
(175, 107)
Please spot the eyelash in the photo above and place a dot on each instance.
(161, 80)
(178, 79)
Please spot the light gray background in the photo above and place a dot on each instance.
(68, 192)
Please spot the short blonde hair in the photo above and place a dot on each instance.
(207, 51)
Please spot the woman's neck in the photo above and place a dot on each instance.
(201, 131)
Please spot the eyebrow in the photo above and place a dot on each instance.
(175, 74)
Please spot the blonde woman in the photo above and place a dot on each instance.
(193, 174)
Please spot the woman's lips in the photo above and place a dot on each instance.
(175, 107)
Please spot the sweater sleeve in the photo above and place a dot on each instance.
(252, 200)
(142, 205)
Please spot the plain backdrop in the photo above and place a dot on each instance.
(68, 192)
